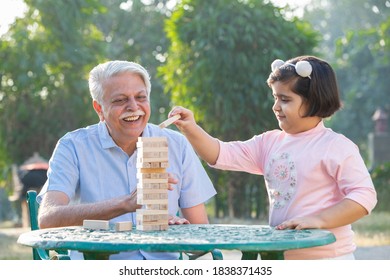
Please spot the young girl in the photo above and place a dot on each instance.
(315, 177)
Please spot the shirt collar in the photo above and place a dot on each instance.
(106, 139)
(320, 126)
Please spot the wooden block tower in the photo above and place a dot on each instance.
(152, 187)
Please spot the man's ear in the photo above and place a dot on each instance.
(98, 109)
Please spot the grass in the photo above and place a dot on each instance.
(9, 249)
(373, 230)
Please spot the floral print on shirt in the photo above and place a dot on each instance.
(282, 179)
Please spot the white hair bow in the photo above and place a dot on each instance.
(303, 67)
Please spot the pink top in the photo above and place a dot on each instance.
(305, 173)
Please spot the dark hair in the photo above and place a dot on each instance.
(320, 91)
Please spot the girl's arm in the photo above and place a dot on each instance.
(343, 213)
(206, 146)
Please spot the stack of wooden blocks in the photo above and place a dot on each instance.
(152, 187)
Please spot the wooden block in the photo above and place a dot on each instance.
(152, 196)
(96, 224)
(159, 175)
(141, 191)
(142, 201)
(151, 212)
(151, 170)
(156, 206)
(151, 145)
(142, 150)
(155, 164)
(152, 227)
(152, 219)
(152, 159)
(164, 227)
(169, 121)
(152, 165)
(142, 180)
(156, 223)
(143, 165)
(152, 154)
(152, 142)
(152, 185)
(152, 139)
(152, 175)
(123, 226)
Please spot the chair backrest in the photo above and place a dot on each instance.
(40, 254)
(33, 206)
(33, 209)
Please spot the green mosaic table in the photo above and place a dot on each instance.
(251, 240)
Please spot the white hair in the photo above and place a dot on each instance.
(100, 73)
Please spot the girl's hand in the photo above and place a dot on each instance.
(301, 223)
(186, 121)
(175, 220)
(204, 144)
(343, 213)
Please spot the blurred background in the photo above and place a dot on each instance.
(211, 56)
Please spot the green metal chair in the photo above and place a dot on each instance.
(216, 254)
(40, 254)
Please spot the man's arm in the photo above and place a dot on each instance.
(55, 210)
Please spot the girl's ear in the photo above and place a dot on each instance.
(98, 109)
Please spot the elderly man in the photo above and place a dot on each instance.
(92, 173)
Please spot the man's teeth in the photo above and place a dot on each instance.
(132, 118)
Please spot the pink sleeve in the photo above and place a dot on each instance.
(352, 176)
(246, 156)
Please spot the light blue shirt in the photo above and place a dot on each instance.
(88, 167)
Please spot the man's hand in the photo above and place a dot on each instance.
(171, 181)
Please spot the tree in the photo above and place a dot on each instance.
(48, 53)
(134, 30)
(47, 56)
(329, 18)
(43, 92)
(219, 59)
(363, 69)
(358, 48)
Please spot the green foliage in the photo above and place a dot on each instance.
(381, 179)
(217, 65)
(363, 70)
(135, 32)
(329, 18)
(358, 48)
(235, 41)
(48, 53)
(43, 89)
